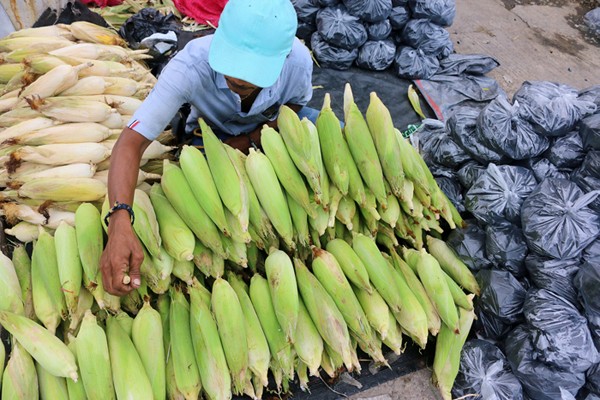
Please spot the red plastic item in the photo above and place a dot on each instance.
(202, 11)
(102, 3)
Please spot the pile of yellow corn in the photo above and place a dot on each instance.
(66, 93)
(253, 264)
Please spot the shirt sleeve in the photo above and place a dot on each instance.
(165, 99)
(301, 79)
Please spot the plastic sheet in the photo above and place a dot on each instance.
(540, 380)
(484, 371)
(553, 109)
(476, 64)
(557, 221)
(414, 64)
(439, 146)
(506, 132)
(376, 55)
(554, 275)
(399, 17)
(542, 168)
(566, 151)
(506, 247)
(330, 56)
(591, 94)
(306, 10)
(590, 132)
(453, 190)
(369, 10)
(587, 282)
(340, 28)
(502, 295)
(561, 336)
(498, 193)
(424, 35)
(379, 30)
(469, 245)
(469, 172)
(441, 12)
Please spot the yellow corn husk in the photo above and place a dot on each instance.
(145, 224)
(44, 347)
(77, 170)
(210, 357)
(86, 301)
(17, 116)
(452, 265)
(155, 150)
(54, 81)
(63, 189)
(7, 71)
(42, 63)
(58, 30)
(87, 86)
(96, 51)
(92, 33)
(19, 380)
(62, 154)
(141, 178)
(71, 109)
(362, 147)
(281, 350)
(433, 319)
(114, 121)
(12, 296)
(49, 302)
(129, 377)
(76, 390)
(375, 309)
(324, 313)
(271, 196)
(70, 271)
(258, 348)
(448, 348)
(99, 67)
(122, 104)
(228, 314)
(51, 387)
(198, 175)
(381, 128)
(285, 169)
(284, 291)
(187, 377)
(22, 267)
(90, 241)
(8, 104)
(10, 136)
(183, 201)
(123, 86)
(146, 332)
(309, 344)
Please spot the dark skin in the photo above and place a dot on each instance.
(123, 253)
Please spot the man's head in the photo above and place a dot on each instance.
(253, 39)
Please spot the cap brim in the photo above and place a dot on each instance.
(230, 60)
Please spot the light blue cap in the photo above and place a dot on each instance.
(253, 39)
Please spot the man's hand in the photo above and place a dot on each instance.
(122, 256)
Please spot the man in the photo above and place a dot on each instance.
(236, 80)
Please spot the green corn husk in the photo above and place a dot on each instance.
(19, 380)
(12, 295)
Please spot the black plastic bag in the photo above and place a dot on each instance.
(441, 12)
(484, 371)
(554, 275)
(553, 109)
(506, 132)
(557, 221)
(540, 380)
(506, 247)
(590, 132)
(340, 28)
(587, 176)
(376, 55)
(306, 10)
(399, 3)
(369, 10)
(329, 3)
(587, 282)
(305, 31)
(440, 147)
(502, 295)
(469, 245)
(146, 23)
(593, 379)
(542, 168)
(330, 56)
(591, 94)
(424, 35)
(475, 64)
(453, 191)
(380, 30)
(469, 172)
(399, 17)
(463, 128)
(561, 336)
(566, 151)
(73, 11)
(490, 327)
(499, 192)
(411, 63)
(592, 20)
(591, 253)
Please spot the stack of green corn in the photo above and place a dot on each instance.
(117, 15)
(285, 240)
(66, 93)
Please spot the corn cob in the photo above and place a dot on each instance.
(335, 197)
(11, 135)
(145, 224)
(43, 346)
(114, 121)
(187, 378)
(309, 344)
(63, 189)
(458, 295)
(281, 350)
(391, 214)
(89, 85)
(324, 313)
(130, 380)
(452, 265)
(375, 309)
(19, 380)
(198, 175)
(95, 51)
(381, 128)
(208, 349)
(18, 115)
(320, 223)
(124, 87)
(8, 104)
(327, 366)
(70, 271)
(203, 258)
(184, 270)
(125, 321)
(163, 306)
(92, 33)
(71, 109)
(7, 71)
(51, 386)
(393, 340)
(12, 296)
(58, 30)
(228, 314)
(269, 192)
(85, 303)
(236, 232)
(182, 199)
(236, 251)
(76, 390)
(299, 221)
(448, 348)
(62, 153)
(90, 241)
(54, 81)
(284, 291)
(346, 211)
(22, 268)
(258, 347)
(284, 167)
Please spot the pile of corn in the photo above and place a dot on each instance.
(117, 15)
(285, 241)
(66, 93)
